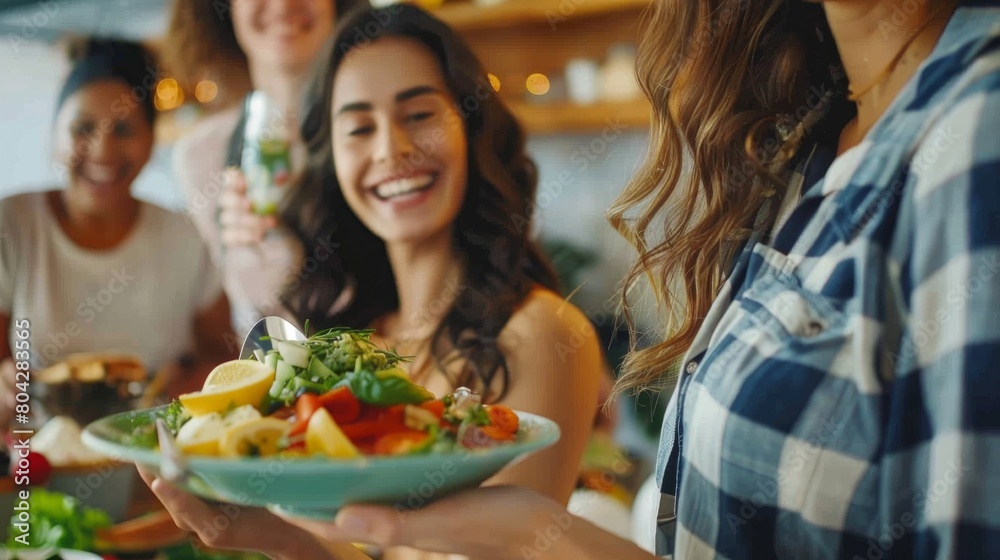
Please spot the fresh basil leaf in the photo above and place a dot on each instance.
(370, 388)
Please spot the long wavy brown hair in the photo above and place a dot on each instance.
(492, 230)
(733, 85)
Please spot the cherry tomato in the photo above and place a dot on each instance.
(503, 418)
(368, 429)
(39, 469)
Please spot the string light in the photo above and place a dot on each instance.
(537, 84)
(206, 91)
(167, 89)
(494, 81)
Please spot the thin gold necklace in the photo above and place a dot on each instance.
(856, 96)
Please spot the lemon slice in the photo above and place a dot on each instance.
(324, 436)
(234, 372)
(245, 413)
(230, 385)
(200, 435)
(255, 438)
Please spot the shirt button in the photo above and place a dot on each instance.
(814, 328)
(691, 367)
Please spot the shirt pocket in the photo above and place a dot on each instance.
(776, 303)
(797, 433)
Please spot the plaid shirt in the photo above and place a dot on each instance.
(842, 399)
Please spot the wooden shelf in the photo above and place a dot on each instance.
(465, 16)
(560, 118)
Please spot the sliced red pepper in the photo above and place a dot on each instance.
(398, 443)
(368, 429)
(394, 414)
(304, 408)
(342, 405)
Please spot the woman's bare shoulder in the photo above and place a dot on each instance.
(546, 319)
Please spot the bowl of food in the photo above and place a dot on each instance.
(332, 420)
(56, 460)
(89, 386)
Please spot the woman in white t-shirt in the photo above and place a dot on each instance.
(89, 268)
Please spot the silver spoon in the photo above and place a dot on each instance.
(258, 340)
(174, 467)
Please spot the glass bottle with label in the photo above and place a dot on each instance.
(267, 154)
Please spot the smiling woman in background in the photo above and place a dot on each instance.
(271, 45)
(89, 266)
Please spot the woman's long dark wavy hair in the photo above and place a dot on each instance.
(491, 231)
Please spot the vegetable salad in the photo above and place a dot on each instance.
(336, 394)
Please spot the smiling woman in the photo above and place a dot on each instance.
(89, 265)
(421, 200)
(427, 196)
(267, 47)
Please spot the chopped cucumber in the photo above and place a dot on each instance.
(271, 360)
(282, 373)
(292, 352)
(299, 384)
(318, 370)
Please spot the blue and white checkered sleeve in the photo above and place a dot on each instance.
(939, 481)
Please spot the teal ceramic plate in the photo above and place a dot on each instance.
(316, 487)
(43, 554)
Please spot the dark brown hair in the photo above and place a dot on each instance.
(722, 77)
(200, 40)
(491, 231)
